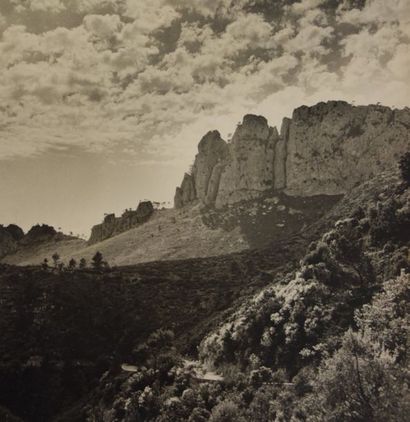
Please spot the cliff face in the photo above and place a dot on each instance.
(325, 149)
(113, 225)
(333, 146)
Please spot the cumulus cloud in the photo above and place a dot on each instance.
(305, 5)
(375, 11)
(52, 6)
(150, 77)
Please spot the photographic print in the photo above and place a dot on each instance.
(204, 210)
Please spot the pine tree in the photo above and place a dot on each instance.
(97, 260)
(72, 264)
(56, 259)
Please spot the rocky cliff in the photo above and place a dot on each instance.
(113, 225)
(325, 149)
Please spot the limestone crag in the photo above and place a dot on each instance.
(249, 168)
(113, 225)
(212, 151)
(186, 193)
(325, 149)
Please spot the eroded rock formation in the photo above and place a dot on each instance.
(325, 149)
(113, 225)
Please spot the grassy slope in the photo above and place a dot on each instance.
(192, 232)
(169, 234)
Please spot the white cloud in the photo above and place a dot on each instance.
(210, 8)
(309, 40)
(150, 15)
(113, 84)
(376, 11)
(399, 65)
(87, 6)
(103, 26)
(52, 6)
(305, 5)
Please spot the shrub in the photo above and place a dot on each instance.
(226, 411)
(404, 165)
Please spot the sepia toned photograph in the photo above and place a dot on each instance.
(204, 210)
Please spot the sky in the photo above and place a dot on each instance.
(103, 102)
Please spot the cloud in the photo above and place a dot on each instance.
(103, 26)
(399, 65)
(51, 6)
(305, 5)
(150, 16)
(149, 78)
(376, 11)
(211, 8)
(309, 40)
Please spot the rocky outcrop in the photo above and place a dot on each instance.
(249, 169)
(113, 225)
(39, 233)
(186, 193)
(333, 146)
(325, 149)
(212, 151)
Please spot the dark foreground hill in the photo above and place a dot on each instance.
(256, 320)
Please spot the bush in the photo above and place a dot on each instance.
(226, 411)
(404, 165)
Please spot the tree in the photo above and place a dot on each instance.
(97, 261)
(226, 411)
(56, 259)
(366, 379)
(404, 165)
(83, 263)
(347, 247)
(72, 264)
(44, 264)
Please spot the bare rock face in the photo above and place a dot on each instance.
(333, 146)
(212, 150)
(249, 170)
(325, 149)
(203, 183)
(185, 194)
(113, 225)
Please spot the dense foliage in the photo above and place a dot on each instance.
(322, 339)
(327, 342)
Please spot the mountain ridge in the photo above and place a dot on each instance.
(323, 149)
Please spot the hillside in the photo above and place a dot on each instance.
(190, 232)
(74, 325)
(326, 341)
